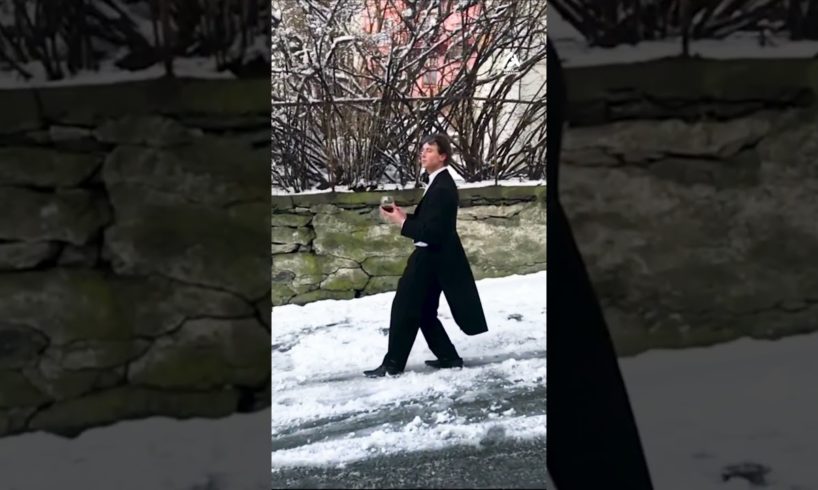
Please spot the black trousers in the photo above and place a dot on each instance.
(415, 306)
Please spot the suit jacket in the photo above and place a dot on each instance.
(435, 222)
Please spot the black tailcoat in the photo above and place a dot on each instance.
(435, 223)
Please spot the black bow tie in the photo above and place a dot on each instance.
(424, 177)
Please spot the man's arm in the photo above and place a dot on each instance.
(438, 220)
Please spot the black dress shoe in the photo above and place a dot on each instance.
(445, 363)
(382, 371)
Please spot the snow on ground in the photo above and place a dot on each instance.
(108, 73)
(156, 453)
(700, 410)
(325, 412)
(574, 51)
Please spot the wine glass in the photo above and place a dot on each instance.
(388, 203)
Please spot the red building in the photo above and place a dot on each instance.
(383, 20)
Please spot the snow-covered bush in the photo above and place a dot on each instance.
(59, 38)
(615, 22)
(357, 85)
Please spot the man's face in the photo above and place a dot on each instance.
(430, 158)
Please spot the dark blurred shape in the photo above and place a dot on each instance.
(592, 437)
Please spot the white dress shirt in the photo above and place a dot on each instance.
(431, 179)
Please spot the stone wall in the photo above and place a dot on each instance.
(134, 278)
(691, 188)
(336, 246)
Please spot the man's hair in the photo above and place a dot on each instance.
(444, 145)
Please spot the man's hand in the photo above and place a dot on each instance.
(397, 216)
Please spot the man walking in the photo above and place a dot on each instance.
(438, 264)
